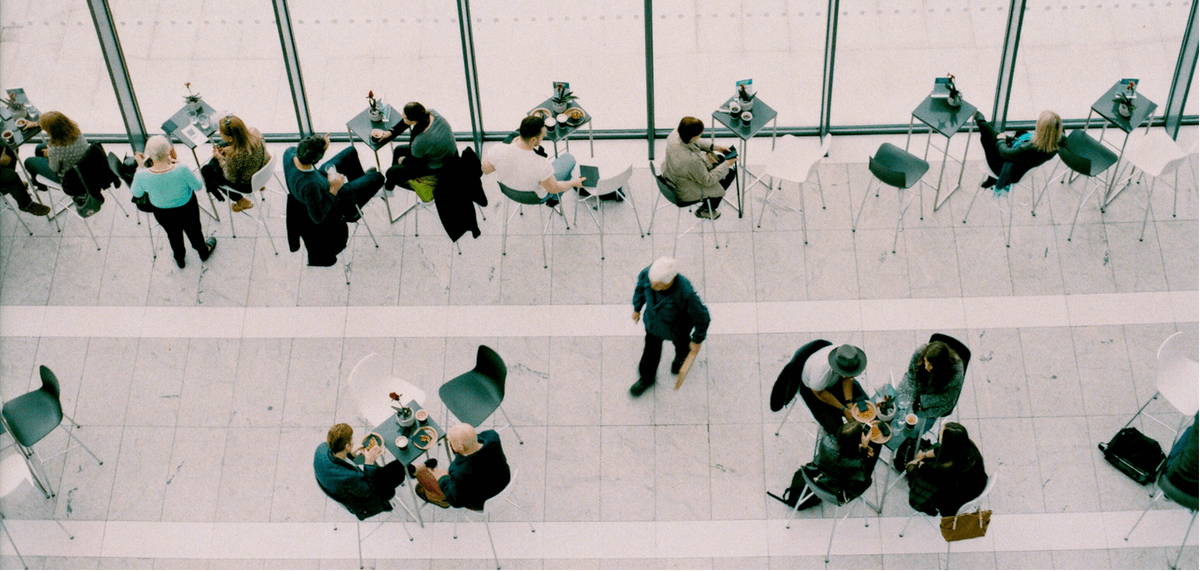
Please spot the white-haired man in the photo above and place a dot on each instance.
(673, 312)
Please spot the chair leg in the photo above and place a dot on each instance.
(511, 425)
(653, 213)
(637, 216)
(70, 535)
(766, 199)
(17, 214)
(504, 240)
(800, 500)
(358, 531)
(71, 435)
(907, 521)
(488, 526)
(1157, 499)
(1175, 565)
(863, 204)
(820, 187)
(803, 212)
(363, 220)
(836, 522)
(14, 544)
(1146, 219)
(1086, 196)
(546, 228)
(784, 421)
(232, 223)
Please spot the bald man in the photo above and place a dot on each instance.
(479, 471)
(674, 313)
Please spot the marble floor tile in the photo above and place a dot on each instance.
(126, 276)
(258, 389)
(576, 271)
(733, 380)
(619, 360)
(933, 268)
(206, 398)
(682, 493)
(247, 482)
(524, 279)
(1010, 448)
(1049, 370)
(724, 269)
(779, 266)
(225, 277)
(296, 496)
(375, 272)
(1104, 370)
(104, 387)
(276, 277)
(734, 453)
(312, 382)
(76, 272)
(573, 474)
(627, 473)
(1024, 560)
(1179, 253)
(625, 255)
(1033, 259)
(142, 471)
(30, 264)
(983, 261)
(998, 374)
(1137, 264)
(194, 467)
(475, 274)
(1081, 559)
(826, 261)
(1086, 260)
(574, 382)
(882, 273)
(157, 382)
(1065, 452)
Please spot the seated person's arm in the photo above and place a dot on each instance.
(1014, 151)
(828, 398)
(553, 186)
(317, 199)
(449, 489)
(487, 167)
(697, 170)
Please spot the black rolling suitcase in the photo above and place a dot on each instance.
(1137, 455)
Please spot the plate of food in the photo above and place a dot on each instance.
(372, 440)
(575, 115)
(541, 112)
(863, 411)
(880, 433)
(424, 437)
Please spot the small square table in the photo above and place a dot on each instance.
(1106, 107)
(181, 119)
(8, 122)
(389, 430)
(561, 131)
(362, 125)
(762, 114)
(900, 434)
(946, 121)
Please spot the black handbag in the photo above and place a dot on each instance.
(1135, 454)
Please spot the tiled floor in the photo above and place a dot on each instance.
(206, 389)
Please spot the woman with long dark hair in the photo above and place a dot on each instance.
(933, 382)
(947, 476)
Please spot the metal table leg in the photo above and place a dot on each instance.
(212, 205)
(592, 139)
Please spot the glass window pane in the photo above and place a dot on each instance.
(50, 49)
(701, 48)
(890, 51)
(227, 49)
(1189, 106)
(408, 53)
(597, 47)
(1072, 52)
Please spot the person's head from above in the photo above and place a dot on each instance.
(158, 149)
(340, 439)
(463, 439)
(415, 114)
(311, 149)
(532, 129)
(61, 130)
(690, 129)
(1048, 132)
(956, 447)
(234, 131)
(937, 360)
(662, 273)
(847, 361)
(853, 437)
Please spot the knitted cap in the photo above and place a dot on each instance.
(664, 270)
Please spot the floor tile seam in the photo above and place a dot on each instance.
(279, 436)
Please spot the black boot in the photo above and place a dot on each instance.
(640, 387)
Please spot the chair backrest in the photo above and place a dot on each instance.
(489, 364)
(92, 173)
(49, 382)
(337, 501)
(1177, 372)
(975, 503)
(369, 385)
(667, 190)
(1085, 155)
(788, 382)
(1175, 494)
(963, 352)
(259, 180)
(512, 481)
(824, 493)
(896, 167)
(605, 186)
(520, 196)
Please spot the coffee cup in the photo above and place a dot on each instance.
(911, 420)
(747, 117)
(550, 123)
(734, 108)
(401, 442)
(563, 118)
(8, 135)
(422, 415)
(22, 123)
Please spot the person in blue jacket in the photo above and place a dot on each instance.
(673, 312)
(364, 489)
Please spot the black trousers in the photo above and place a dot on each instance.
(214, 179)
(388, 478)
(714, 203)
(180, 221)
(652, 353)
(10, 184)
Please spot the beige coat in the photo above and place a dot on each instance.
(690, 167)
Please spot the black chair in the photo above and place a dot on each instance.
(1168, 490)
(474, 395)
(784, 392)
(91, 176)
(523, 197)
(360, 517)
(899, 169)
(1090, 158)
(33, 415)
(668, 190)
(813, 487)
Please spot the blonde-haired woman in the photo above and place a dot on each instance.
(172, 191)
(241, 154)
(1010, 157)
(65, 149)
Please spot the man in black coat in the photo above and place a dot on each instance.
(365, 490)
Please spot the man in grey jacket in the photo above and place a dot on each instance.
(673, 312)
(692, 166)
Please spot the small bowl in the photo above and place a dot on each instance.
(576, 114)
(422, 415)
(911, 419)
(378, 133)
(401, 442)
(23, 124)
(7, 135)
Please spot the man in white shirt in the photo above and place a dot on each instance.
(520, 168)
(829, 387)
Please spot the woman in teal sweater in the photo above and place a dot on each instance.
(172, 191)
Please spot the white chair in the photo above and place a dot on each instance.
(666, 189)
(370, 382)
(506, 495)
(523, 197)
(604, 186)
(258, 181)
(791, 161)
(1156, 154)
(966, 509)
(1176, 379)
(15, 475)
(812, 488)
